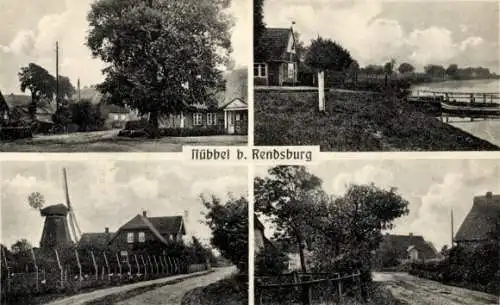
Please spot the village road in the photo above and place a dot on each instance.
(418, 291)
(83, 298)
(172, 294)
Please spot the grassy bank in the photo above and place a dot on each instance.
(229, 291)
(354, 122)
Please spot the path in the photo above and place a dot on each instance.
(172, 294)
(418, 291)
(83, 298)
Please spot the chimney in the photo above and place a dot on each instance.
(144, 213)
(106, 230)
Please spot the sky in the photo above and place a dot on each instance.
(108, 194)
(432, 187)
(420, 32)
(29, 30)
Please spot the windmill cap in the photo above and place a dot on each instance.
(57, 209)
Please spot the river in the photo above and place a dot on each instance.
(488, 130)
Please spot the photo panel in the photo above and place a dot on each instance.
(413, 231)
(168, 74)
(123, 232)
(377, 75)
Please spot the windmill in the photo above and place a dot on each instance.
(75, 228)
(58, 232)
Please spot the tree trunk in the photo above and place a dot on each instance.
(153, 124)
(301, 255)
(32, 108)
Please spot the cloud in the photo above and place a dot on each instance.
(373, 39)
(108, 194)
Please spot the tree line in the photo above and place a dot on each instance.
(339, 232)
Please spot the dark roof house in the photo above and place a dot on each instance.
(402, 244)
(275, 59)
(162, 229)
(95, 240)
(482, 221)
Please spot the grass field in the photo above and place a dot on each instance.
(354, 122)
(108, 141)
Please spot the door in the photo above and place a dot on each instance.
(230, 122)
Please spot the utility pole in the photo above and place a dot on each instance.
(57, 75)
(78, 84)
(452, 231)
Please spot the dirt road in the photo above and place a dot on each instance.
(418, 291)
(83, 298)
(108, 141)
(172, 294)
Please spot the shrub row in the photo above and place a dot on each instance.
(10, 133)
(476, 268)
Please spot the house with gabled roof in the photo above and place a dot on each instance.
(409, 247)
(227, 111)
(482, 223)
(275, 59)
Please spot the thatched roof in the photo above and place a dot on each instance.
(481, 222)
(95, 240)
(401, 244)
(273, 43)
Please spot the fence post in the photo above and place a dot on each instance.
(79, 265)
(306, 291)
(169, 265)
(339, 284)
(60, 268)
(95, 265)
(156, 264)
(107, 264)
(137, 263)
(161, 258)
(144, 264)
(36, 269)
(150, 263)
(119, 265)
(321, 90)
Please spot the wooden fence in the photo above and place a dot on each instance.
(306, 288)
(92, 269)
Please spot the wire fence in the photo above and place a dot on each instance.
(306, 288)
(75, 270)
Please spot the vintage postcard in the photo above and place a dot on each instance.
(377, 75)
(123, 232)
(168, 73)
(378, 232)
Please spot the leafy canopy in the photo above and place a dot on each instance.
(326, 54)
(161, 54)
(229, 224)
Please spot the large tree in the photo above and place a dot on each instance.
(452, 70)
(39, 82)
(258, 21)
(406, 68)
(161, 55)
(229, 224)
(325, 54)
(289, 197)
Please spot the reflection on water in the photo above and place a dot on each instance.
(478, 85)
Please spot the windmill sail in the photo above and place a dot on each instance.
(75, 229)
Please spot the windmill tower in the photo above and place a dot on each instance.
(61, 229)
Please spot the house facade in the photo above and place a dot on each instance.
(275, 61)
(482, 223)
(407, 248)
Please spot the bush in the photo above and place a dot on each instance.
(191, 132)
(15, 132)
(271, 261)
(475, 268)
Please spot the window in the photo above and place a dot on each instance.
(291, 70)
(260, 70)
(211, 119)
(123, 117)
(142, 237)
(197, 119)
(130, 238)
(115, 117)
